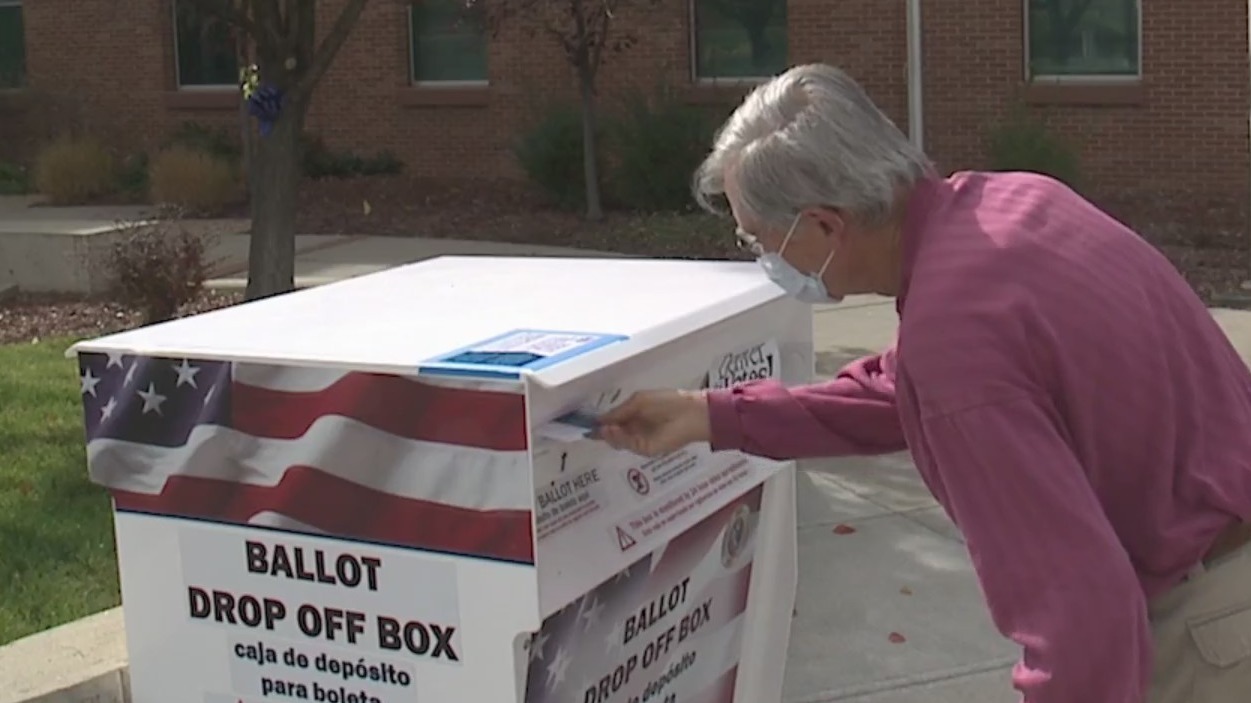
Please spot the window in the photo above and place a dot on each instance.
(205, 49)
(1083, 38)
(449, 41)
(738, 38)
(12, 45)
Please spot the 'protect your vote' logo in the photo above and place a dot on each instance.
(754, 363)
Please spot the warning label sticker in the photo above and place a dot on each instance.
(659, 516)
(624, 540)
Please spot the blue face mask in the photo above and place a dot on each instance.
(806, 288)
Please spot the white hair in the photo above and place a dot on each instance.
(810, 137)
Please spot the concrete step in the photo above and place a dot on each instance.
(80, 662)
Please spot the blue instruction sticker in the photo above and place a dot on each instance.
(513, 353)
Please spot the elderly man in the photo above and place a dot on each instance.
(1065, 395)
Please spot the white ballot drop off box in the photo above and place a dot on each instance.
(382, 490)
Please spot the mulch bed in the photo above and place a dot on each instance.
(1207, 240)
(498, 210)
(26, 319)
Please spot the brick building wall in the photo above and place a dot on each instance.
(1183, 126)
(109, 65)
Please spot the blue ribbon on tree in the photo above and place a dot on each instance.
(265, 104)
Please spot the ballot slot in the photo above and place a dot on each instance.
(597, 509)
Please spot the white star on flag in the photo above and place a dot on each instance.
(557, 669)
(186, 374)
(107, 411)
(622, 575)
(537, 643)
(115, 359)
(89, 383)
(591, 613)
(151, 399)
(615, 635)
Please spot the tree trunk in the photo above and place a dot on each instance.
(247, 136)
(274, 190)
(247, 131)
(590, 149)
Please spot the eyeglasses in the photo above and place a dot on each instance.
(748, 242)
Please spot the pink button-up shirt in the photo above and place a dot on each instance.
(1069, 401)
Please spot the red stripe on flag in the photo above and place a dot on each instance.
(739, 589)
(344, 509)
(396, 405)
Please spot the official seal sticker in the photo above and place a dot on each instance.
(736, 535)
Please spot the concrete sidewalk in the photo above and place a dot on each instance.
(888, 607)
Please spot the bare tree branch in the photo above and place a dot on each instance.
(266, 14)
(329, 47)
(581, 48)
(602, 24)
(237, 13)
(286, 13)
(303, 36)
(583, 29)
(292, 12)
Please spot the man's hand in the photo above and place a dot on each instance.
(655, 423)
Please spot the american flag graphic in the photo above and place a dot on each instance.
(371, 457)
(581, 644)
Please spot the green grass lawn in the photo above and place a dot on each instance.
(57, 557)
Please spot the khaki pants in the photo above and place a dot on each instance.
(1202, 632)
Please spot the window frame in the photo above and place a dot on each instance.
(178, 84)
(23, 79)
(412, 63)
(693, 52)
(1082, 79)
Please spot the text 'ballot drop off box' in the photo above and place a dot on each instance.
(383, 490)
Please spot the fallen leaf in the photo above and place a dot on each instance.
(368, 208)
(896, 638)
(841, 529)
(906, 591)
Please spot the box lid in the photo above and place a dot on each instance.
(548, 319)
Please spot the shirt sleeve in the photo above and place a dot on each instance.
(1055, 576)
(854, 413)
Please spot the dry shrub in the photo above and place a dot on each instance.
(158, 267)
(195, 180)
(73, 170)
